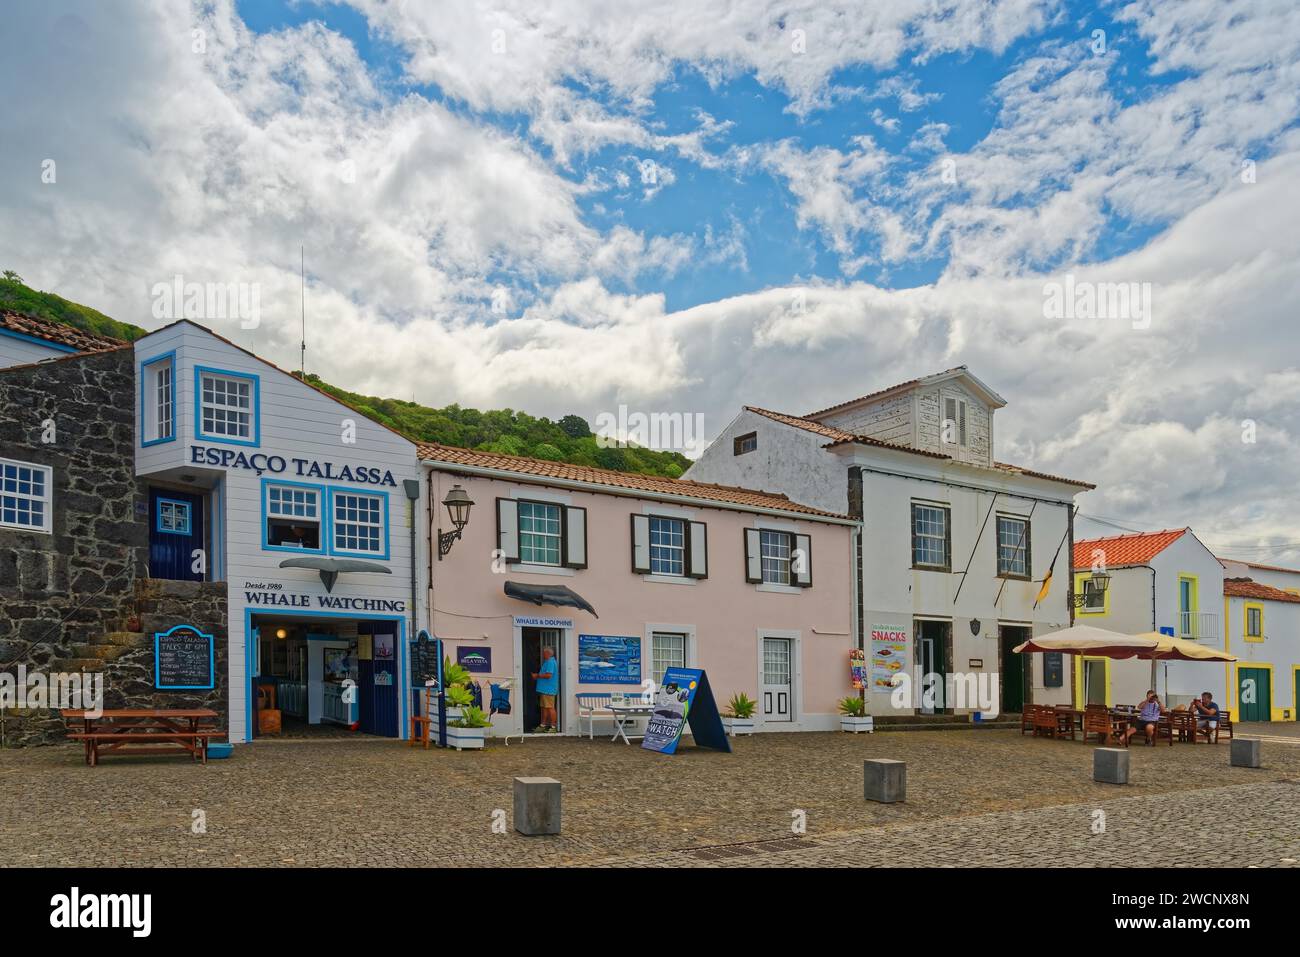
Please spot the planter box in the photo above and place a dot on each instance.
(466, 738)
(737, 726)
(453, 714)
(855, 725)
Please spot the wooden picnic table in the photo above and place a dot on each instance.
(144, 731)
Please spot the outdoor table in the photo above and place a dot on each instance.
(624, 715)
(144, 731)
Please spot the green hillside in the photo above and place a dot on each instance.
(46, 305)
(497, 430)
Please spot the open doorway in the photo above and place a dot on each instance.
(534, 640)
(933, 657)
(1014, 668)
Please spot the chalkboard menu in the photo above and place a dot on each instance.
(424, 660)
(1053, 670)
(183, 659)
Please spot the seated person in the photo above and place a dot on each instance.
(1207, 713)
(1147, 719)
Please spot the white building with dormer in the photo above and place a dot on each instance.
(953, 547)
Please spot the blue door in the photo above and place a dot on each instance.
(175, 533)
(377, 679)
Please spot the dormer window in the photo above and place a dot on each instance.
(954, 421)
(744, 443)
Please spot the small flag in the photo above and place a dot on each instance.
(1047, 586)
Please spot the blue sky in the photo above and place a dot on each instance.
(960, 93)
(846, 194)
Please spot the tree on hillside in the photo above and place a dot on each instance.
(575, 427)
(11, 276)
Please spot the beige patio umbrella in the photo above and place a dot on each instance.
(1170, 648)
(1088, 640)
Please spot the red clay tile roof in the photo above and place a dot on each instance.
(1121, 550)
(630, 481)
(1021, 470)
(840, 437)
(829, 431)
(1249, 588)
(55, 332)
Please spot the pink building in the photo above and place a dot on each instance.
(750, 586)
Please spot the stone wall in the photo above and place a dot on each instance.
(79, 600)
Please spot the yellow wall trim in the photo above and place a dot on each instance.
(1079, 579)
(1245, 622)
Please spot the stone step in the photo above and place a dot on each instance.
(132, 638)
(102, 652)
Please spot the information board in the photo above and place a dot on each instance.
(609, 659)
(184, 659)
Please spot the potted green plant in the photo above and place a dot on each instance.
(853, 715)
(469, 731)
(739, 716)
(454, 680)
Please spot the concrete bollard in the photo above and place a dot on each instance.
(884, 780)
(537, 806)
(1110, 765)
(1245, 752)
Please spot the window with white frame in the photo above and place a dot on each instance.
(174, 518)
(774, 552)
(25, 496)
(359, 523)
(667, 650)
(159, 393)
(539, 533)
(930, 536)
(667, 546)
(1013, 547)
(227, 409)
(293, 517)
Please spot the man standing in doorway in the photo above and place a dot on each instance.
(548, 686)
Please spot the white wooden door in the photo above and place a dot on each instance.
(776, 689)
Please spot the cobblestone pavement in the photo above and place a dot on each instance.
(985, 796)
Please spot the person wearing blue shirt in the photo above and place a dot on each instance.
(548, 686)
(1207, 713)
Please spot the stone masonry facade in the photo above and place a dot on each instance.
(79, 600)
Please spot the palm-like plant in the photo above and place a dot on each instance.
(853, 707)
(741, 705)
(472, 717)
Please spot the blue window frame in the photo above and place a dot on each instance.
(293, 517)
(227, 406)
(358, 522)
(158, 400)
(173, 517)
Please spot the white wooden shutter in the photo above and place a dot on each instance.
(753, 556)
(803, 569)
(641, 544)
(697, 538)
(508, 528)
(575, 537)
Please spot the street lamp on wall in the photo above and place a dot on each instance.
(458, 506)
(1100, 582)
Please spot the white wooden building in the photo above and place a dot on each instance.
(249, 467)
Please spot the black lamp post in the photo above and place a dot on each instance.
(458, 505)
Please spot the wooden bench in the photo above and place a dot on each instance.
(145, 731)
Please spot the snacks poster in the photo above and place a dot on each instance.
(888, 655)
